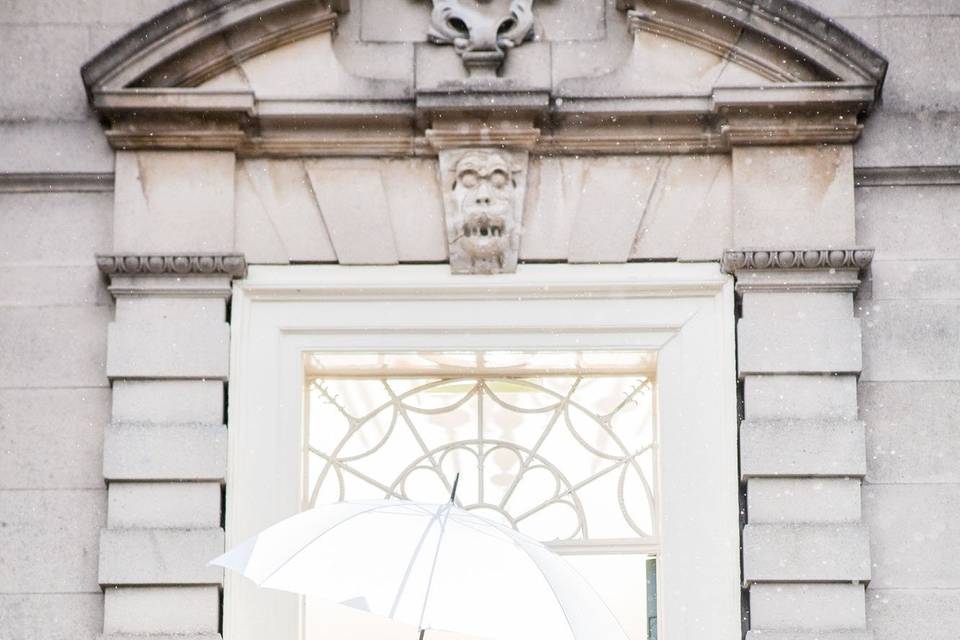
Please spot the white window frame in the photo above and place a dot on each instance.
(684, 312)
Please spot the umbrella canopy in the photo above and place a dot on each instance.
(435, 566)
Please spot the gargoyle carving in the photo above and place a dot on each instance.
(481, 30)
(483, 200)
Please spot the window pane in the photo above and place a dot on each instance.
(558, 445)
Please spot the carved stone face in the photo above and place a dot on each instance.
(484, 228)
(481, 30)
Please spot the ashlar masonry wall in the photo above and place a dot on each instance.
(57, 409)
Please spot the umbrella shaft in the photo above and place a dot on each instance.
(422, 631)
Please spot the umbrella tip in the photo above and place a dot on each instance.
(453, 493)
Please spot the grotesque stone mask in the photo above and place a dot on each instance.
(483, 212)
(482, 30)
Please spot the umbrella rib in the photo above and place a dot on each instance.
(413, 558)
(316, 537)
(433, 567)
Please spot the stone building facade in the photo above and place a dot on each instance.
(212, 145)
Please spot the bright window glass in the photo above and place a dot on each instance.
(559, 445)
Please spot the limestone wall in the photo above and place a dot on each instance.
(908, 207)
(55, 398)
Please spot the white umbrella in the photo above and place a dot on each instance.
(435, 566)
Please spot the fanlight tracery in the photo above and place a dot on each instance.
(565, 458)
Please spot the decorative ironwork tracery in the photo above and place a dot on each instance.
(562, 457)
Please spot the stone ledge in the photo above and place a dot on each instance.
(148, 451)
(735, 260)
(231, 264)
(805, 553)
(820, 448)
(150, 557)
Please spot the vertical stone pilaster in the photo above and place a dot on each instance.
(806, 552)
(165, 448)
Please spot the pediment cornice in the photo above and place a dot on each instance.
(145, 87)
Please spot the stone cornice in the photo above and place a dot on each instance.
(812, 270)
(735, 260)
(791, 25)
(198, 39)
(233, 265)
(568, 123)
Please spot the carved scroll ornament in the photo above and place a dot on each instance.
(483, 201)
(482, 31)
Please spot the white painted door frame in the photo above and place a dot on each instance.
(684, 312)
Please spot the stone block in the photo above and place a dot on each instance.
(159, 610)
(49, 540)
(787, 500)
(774, 397)
(807, 196)
(914, 614)
(802, 448)
(354, 206)
(579, 21)
(918, 86)
(690, 217)
(152, 557)
(906, 223)
(915, 531)
(44, 84)
(42, 286)
(914, 280)
(814, 607)
(173, 201)
(916, 138)
(159, 348)
(51, 616)
(811, 345)
(278, 219)
(805, 553)
(52, 438)
(912, 434)
(796, 306)
(388, 61)
(411, 200)
(168, 401)
(554, 186)
(310, 67)
(395, 21)
(38, 146)
(613, 198)
(51, 229)
(911, 340)
(415, 204)
(175, 505)
(145, 451)
(53, 347)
